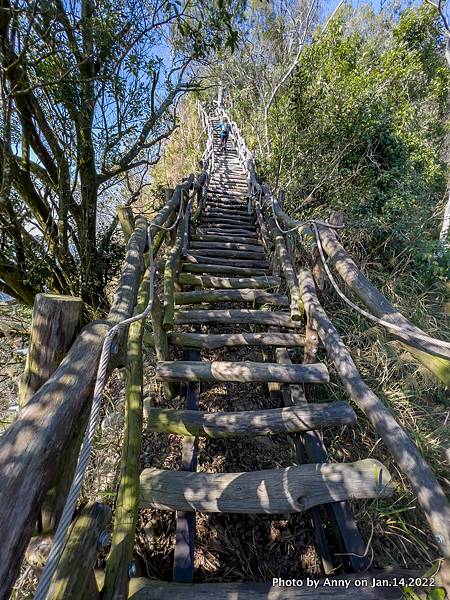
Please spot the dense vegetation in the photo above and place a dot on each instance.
(360, 128)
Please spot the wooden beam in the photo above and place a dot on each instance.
(231, 244)
(374, 585)
(243, 371)
(127, 501)
(273, 491)
(438, 351)
(126, 220)
(250, 422)
(245, 316)
(288, 270)
(222, 269)
(258, 262)
(423, 481)
(74, 578)
(242, 295)
(55, 322)
(209, 341)
(209, 281)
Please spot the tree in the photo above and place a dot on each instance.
(270, 45)
(89, 91)
(445, 229)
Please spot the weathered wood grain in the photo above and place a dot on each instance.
(258, 263)
(331, 588)
(208, 242)
(274, 491)
(244, 316)
(127, 501)
(222, 269)
(55, 322)
(244, 371)
(242, 295)
(209, 281)
(250, 422)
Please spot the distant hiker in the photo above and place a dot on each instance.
(225, 129)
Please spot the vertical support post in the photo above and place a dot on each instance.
(55, 324)
(127, 503)
(126, 220)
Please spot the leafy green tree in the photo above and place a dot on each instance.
(89, 92)
(361, 126)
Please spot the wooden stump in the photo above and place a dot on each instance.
(56, 321)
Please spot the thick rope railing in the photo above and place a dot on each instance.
(61, 534)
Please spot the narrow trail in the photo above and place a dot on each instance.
(230, 297)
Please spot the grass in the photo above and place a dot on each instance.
(396, 527)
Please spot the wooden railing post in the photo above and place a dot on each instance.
(126, 220)
(55, 323)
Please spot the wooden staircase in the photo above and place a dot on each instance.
(226, 282)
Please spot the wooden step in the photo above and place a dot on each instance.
(246, 316)
(222, 270)
(221, 219)
(241, 295)
(209, 281)
(210, 341)
(274, 491)
(229, 233)
(243, 372)
(219, 191)
(218, 260)
(208, 224)
(215, 203)
(242, 254)
(207, 242)
(374, 585)
(250, 422)
(228, 213)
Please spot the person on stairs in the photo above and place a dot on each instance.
(225, 128)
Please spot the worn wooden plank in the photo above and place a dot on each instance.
(208, 341)
(375, 585)
(224, 233)
(273, 491)
(232, 243)
(244, 371)
(423, 481)
(222, 269)
(250, 422)
(209, 281)
(244, 316)
(242, 254)
(242, 295)
(218, 260)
